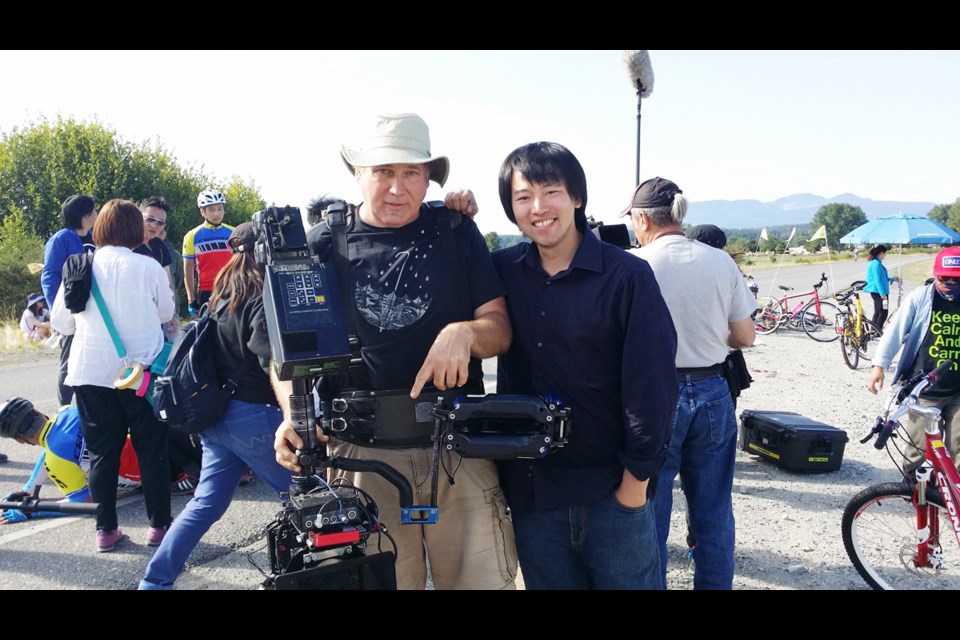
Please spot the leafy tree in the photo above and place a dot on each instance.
(940, 213)
(493, 240)
(953, 215)
(19, 246)
(44, 162)
(840, 219)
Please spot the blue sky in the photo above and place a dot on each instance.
(722, 124)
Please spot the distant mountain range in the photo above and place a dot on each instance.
(796, 209)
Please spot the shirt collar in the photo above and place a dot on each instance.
(589, 255)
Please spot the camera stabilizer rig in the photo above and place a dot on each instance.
(31, 503)
(319, 538)
(500, 426)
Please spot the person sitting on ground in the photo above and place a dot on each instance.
(64, 457)
(35, 321)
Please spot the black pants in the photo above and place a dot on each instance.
(184, 450)
(105, 417)
(64, 393)
(879, 310)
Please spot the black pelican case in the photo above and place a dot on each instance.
(792, 441)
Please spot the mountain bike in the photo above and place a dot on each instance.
(897, 533)
(816, 317)
(858, 336)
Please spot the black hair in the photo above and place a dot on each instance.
(318, 207)
(155, 201)
(545, 163)
(876, 251)
(74, 209)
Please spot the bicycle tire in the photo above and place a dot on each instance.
(849, 345)
(821, 327)
(879, 528)
(769, 315)
(870, 336)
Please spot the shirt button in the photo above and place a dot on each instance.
(539, 344)
(543, 313)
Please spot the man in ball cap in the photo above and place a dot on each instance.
(711, 307)
(924, 331)
(428, 306)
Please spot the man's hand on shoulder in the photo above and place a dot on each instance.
(462, 200)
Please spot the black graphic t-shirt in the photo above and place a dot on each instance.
(941, 342)
(410, 282)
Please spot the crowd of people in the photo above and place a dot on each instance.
(633, 342)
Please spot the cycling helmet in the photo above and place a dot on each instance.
(208, 197)
(17, 418)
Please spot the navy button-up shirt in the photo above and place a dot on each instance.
(600, 336)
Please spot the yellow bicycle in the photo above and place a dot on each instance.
(858, 336)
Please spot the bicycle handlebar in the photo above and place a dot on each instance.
(905, 398)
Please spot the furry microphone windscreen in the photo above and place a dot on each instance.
(639, 69)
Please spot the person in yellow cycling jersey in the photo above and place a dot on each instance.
(63, 457)
(205, 249)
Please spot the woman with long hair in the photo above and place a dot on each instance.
(137, 297)
(878, 284)
(243, 437)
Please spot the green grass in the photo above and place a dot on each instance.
(11, 338)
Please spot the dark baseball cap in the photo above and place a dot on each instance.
(709, 234)
(242, 238)
(655, 192)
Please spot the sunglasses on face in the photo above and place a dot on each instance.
(156, 221)
(948, 280)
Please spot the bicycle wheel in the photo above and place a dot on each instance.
(822, 326)
(869, 338)
(849, 344)
(879, 529)
(768, 315)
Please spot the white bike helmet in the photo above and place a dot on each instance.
(208, 197)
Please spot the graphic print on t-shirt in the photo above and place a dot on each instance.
(399, 296)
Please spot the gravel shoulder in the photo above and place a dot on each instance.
(787, 523)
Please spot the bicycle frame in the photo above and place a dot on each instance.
(939, 463)
(806, 298)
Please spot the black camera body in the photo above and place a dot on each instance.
(308, 335)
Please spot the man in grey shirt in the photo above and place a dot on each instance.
(711, 306)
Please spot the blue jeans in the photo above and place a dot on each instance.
(594, 546)
(242, 438)
(703, 450)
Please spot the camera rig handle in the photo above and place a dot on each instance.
(32, 503)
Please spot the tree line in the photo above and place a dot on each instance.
(46, 161)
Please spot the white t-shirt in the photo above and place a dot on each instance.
(138, 296)
(705, 292)
(29, 321)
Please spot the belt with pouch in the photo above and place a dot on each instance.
(697, 374)
(383, 419)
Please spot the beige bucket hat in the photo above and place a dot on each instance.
(400, 138)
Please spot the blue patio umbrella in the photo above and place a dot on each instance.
(901, 229)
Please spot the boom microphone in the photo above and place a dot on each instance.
(640, 71)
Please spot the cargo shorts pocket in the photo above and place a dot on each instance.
(503, 536)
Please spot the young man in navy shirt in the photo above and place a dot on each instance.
(589, 325)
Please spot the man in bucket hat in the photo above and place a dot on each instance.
(711, 306)
(428, 306)
(926, 326)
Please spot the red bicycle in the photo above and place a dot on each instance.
(817, 317)
(897, 533)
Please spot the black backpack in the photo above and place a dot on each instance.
(188, 395)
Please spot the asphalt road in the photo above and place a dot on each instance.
(60, 553)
